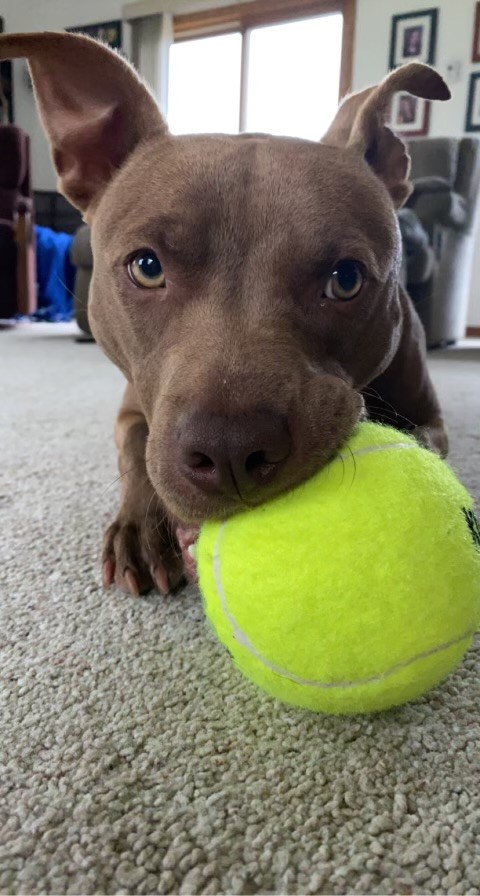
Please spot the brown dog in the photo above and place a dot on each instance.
(246, 287)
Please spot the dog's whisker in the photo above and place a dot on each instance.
(369, 390)
(147, 538)
(354, 465)
(376, 395)
(162, 520)
(120, 476)
(386, 409)
(82, 303)
(383, 410)
(394, 418)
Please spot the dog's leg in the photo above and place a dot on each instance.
(139, 547)
(404, 395)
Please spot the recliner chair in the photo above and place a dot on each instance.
(446, 178)
(17, 239)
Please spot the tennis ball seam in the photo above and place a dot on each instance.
(245, 642)
(371, 449)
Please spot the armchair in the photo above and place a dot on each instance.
(443, 206)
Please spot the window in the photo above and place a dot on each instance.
(261, 66)
(293, 77)
(204, 85)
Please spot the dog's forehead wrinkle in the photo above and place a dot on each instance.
(170, 171)
(252, 197)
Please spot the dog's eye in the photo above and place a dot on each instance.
(145, 270)
(346, 280)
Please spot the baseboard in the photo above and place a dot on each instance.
(473, 331)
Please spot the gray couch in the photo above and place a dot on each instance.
(440, 217)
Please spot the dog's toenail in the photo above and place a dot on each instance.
(108, 573)
(131, 582)
(161, 579)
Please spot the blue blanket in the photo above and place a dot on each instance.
(55, 275)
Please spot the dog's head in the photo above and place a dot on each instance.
(246, 286)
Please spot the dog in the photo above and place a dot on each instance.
(246, 286)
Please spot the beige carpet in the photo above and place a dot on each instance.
(134, 759)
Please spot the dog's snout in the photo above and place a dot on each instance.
(233, 455)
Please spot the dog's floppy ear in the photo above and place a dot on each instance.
(359, 124)
(93, 106)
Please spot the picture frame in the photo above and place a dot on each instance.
(108, 32)
(413, 37)
(472, 121)
(409, 115)
(476, 35)
(6, 87)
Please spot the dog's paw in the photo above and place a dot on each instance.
(433, 436)
(137, 557)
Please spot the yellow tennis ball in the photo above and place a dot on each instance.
(357, 591)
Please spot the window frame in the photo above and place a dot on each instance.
(244, 16)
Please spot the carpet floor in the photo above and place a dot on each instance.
(134, 758)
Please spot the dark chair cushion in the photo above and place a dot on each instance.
(8, 202)
(8, 248)
(13, 169)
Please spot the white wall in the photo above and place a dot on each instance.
(454, 44)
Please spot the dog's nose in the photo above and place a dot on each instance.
(233, 455)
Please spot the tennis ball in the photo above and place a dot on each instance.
(355, 592)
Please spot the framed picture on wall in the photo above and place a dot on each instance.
(410, 115)
(6, 88)
(472, 122)
(413, 37)
(476, 35)
(108, 32)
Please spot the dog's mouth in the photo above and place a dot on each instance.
(187, 533)
(187, 538)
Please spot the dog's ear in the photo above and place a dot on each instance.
(94, 108)
(359, 124)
